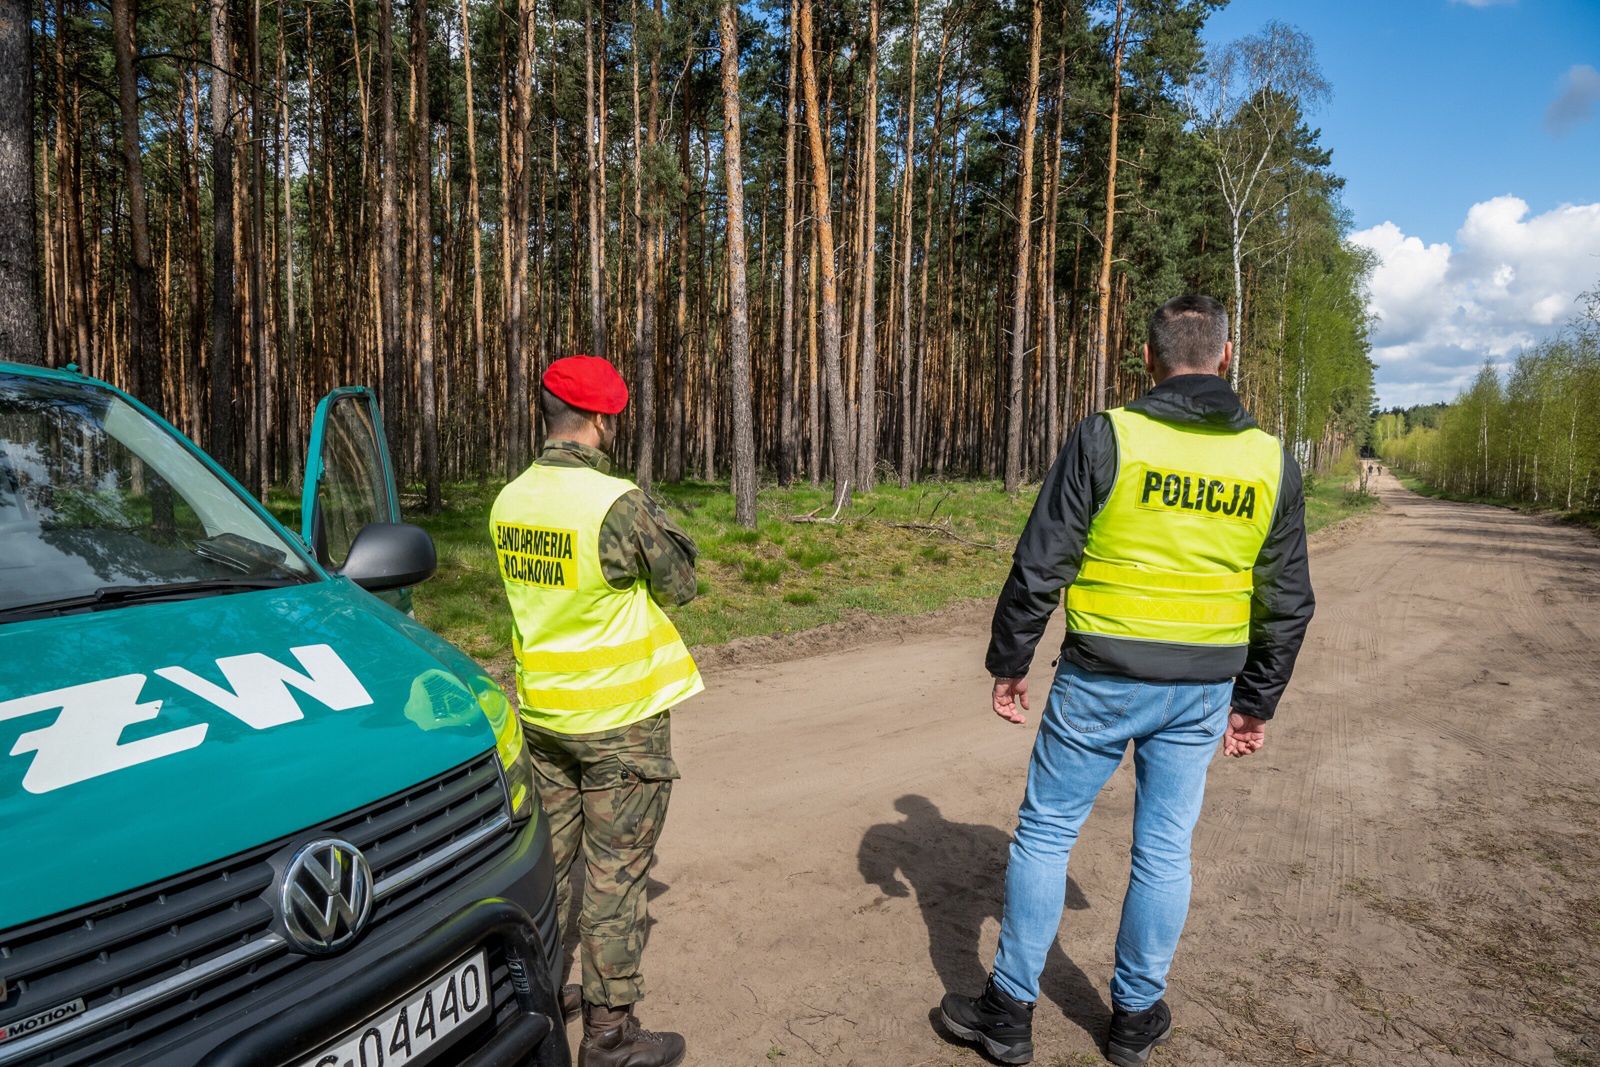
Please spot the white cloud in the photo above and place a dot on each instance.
(1575, 104)
(1508, 280)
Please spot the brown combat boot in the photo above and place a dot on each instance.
(612, 1037)
(571, 1000)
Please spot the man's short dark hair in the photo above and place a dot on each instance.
(1187, 333)
(560, 418)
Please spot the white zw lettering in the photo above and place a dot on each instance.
(85, 740)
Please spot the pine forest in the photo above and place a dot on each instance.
(843, 243)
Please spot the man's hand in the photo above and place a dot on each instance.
(1008, 693)
(1245, 733)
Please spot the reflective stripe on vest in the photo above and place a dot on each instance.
(1169, 557)
(590, 658)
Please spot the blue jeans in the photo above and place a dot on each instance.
(1175, 728)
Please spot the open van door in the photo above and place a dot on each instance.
(349, 489)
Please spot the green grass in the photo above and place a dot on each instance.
(1329, 499)
(1588, 519)
(783, 576)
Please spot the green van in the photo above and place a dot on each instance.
(253, 815)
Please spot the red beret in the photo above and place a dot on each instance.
(588, 383)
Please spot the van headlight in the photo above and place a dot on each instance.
(518, 779)
(516, 765)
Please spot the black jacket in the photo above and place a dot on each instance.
(1051, 548)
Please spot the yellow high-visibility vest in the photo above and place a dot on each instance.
(1169, 557)
(590, 658)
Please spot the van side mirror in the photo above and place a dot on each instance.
(390, 555)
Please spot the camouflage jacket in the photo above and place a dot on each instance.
(638, 541)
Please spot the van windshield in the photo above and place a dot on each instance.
(100, 505)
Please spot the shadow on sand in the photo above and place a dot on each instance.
(958, 872)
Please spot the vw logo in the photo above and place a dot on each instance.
(326, 896)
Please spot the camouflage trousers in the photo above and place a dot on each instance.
(605, 795)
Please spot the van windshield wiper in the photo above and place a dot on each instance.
(112, 595)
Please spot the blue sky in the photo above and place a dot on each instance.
(1438, 106)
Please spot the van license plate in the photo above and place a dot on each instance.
(431, 1017)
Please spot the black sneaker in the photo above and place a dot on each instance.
(1001, 1025)
(1134, 1034)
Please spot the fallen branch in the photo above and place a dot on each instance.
(833, 519)
(944, 530)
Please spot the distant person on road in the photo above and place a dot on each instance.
(588, 560)
(1177, 529)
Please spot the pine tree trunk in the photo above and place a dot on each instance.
(1052, 349)
(505, 446)
(644, 403)
(265, 421)
(519, 393)
(194, 261)
(224, 410)
(814, 392)
(1099, 347)
(677, 413)
(21, 321)
(908, 173)
(744, 446)
(597, 287)
(708, 379)
(144, 329)
(389, 277)
(422, 257)
(480, 408)
(69, 179)
(1019, 308)
(867, 437)
(837, 404)
(919, 357)
(788, 460)
(288, 338)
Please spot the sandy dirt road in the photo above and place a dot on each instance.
(1408, 873)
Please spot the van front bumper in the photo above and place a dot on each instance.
(507, 909)
(528, 1034)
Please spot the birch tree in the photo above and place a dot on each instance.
(1248, 104)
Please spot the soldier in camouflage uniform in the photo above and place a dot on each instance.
(638, 540)
(604, 791)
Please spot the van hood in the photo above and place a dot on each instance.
(140, 742)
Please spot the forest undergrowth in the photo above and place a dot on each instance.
(894, 552)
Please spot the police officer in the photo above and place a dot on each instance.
(588, 560)
(1177, 529)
